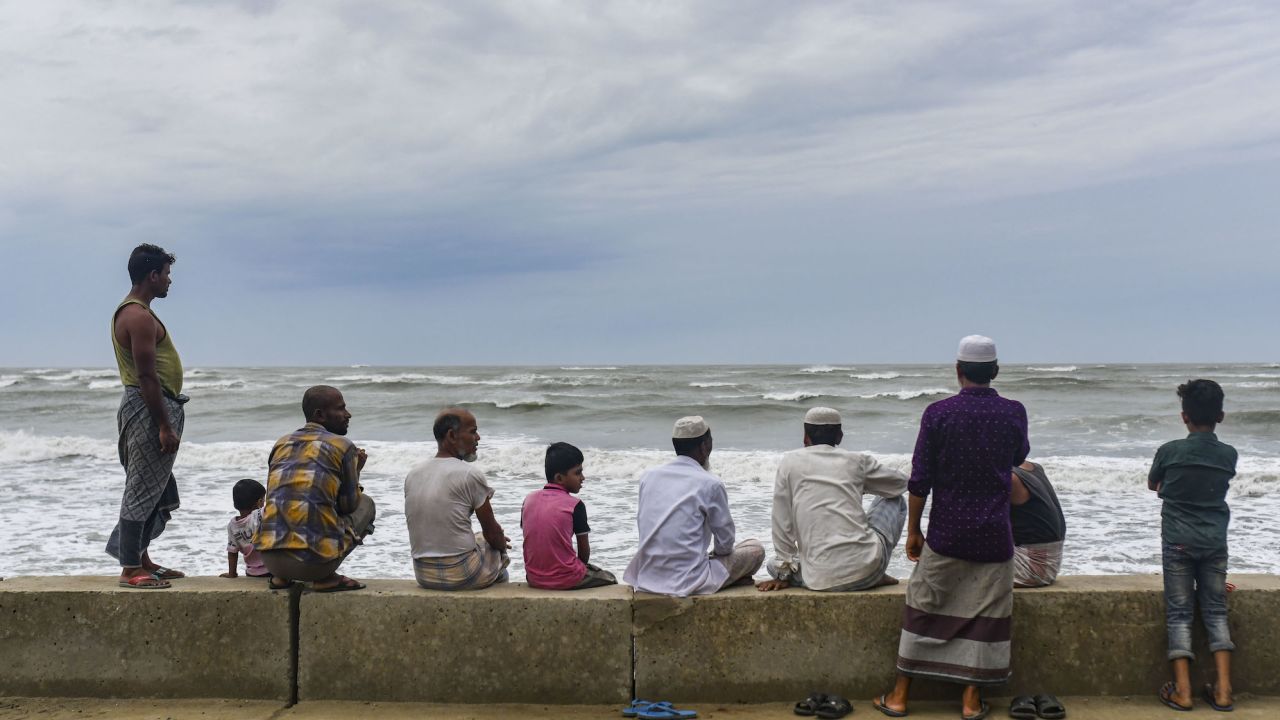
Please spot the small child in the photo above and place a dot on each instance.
(248, 496)
(1191, 477)
(552, 519)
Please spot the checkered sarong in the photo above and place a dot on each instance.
(471, 570)
(150, 490)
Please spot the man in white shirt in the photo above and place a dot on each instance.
(683, 509)
(440, 495)
(822, 538)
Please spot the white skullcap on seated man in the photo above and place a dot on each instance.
(684, 509)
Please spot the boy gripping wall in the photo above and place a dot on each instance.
(552, 519)
(1191, 477)
(248, 496)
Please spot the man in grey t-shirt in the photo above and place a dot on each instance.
(440, 496)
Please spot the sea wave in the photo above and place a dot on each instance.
(1260, 385)
(876, 376)
(9, 380)
(1055, 368)
(712, 384)
(794, 396)
(579, 368)
(819, 369)
(907, 394)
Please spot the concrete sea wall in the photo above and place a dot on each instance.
(209, 637)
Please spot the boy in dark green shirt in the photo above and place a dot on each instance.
(1191, 476)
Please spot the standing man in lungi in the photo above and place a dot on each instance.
(150, 420)
(956, 624)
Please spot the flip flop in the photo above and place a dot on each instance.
(145, 582)
(635, 707)
(1213, 702)
(809, 706)
(878, 704)
(271, 583)
(665, 711)
(1023, 707)
(1049, 707)
(834, 707)
(344, 584)
(1166, 696)
(984, 711)
(164, 573)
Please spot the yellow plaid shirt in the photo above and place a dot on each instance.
(309, 470)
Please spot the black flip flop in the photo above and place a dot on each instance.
(1166, 697)
(834, 707)
(808, 707)
(878, 704)
(1213, 701)
(1023, 707)
(271, 583)
(1050, 708)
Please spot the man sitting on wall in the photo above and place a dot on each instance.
(440, 496)
(822, 538)
(683, 509)
(1039, 527)
(316, 512)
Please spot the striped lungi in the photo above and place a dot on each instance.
(957, 623)
(471, 570)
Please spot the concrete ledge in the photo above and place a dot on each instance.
(508, 643)
(88, 637)
(1086, 635)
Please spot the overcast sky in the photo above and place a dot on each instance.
(582, 182)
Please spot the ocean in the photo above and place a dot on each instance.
(1094, 427)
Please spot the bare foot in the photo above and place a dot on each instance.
(897, 706)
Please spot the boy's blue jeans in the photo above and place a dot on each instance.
(1192, 574)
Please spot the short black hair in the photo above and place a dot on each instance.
(446, 421)
(688, 446)
(978, 372)
(246, 493)
(823, 434)
(316, 398)
(1201, 401)
(561, 458)
(146, 259)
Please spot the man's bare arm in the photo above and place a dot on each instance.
(491, 529)
(140, 330)
(584, 548)
(1018, 492)
(915, 537)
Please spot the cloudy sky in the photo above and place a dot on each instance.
(664, 182)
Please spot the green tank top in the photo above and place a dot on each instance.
(168, 364)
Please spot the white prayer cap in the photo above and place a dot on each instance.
(822, 416)
(692, 426)
(976, 348)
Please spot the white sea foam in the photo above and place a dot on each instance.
(1054, 368)
(1257, 385)
(907, 394)
(589, 367)
(818, 369)
(712, 384)
(876, 376)
(113, 384)
(795, 396)
(9, 380)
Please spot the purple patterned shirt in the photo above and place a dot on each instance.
(965, 453)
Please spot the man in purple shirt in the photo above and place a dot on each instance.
(956, 625)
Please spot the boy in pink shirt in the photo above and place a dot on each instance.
(552, 520)
(248, 496)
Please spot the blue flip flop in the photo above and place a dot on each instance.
(665, 711)
(635, 707)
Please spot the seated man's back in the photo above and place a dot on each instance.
(820, 491)
(440, 496)
(682, 509)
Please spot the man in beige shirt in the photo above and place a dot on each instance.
(822, 537)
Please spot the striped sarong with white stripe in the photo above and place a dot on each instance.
(958, 621)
